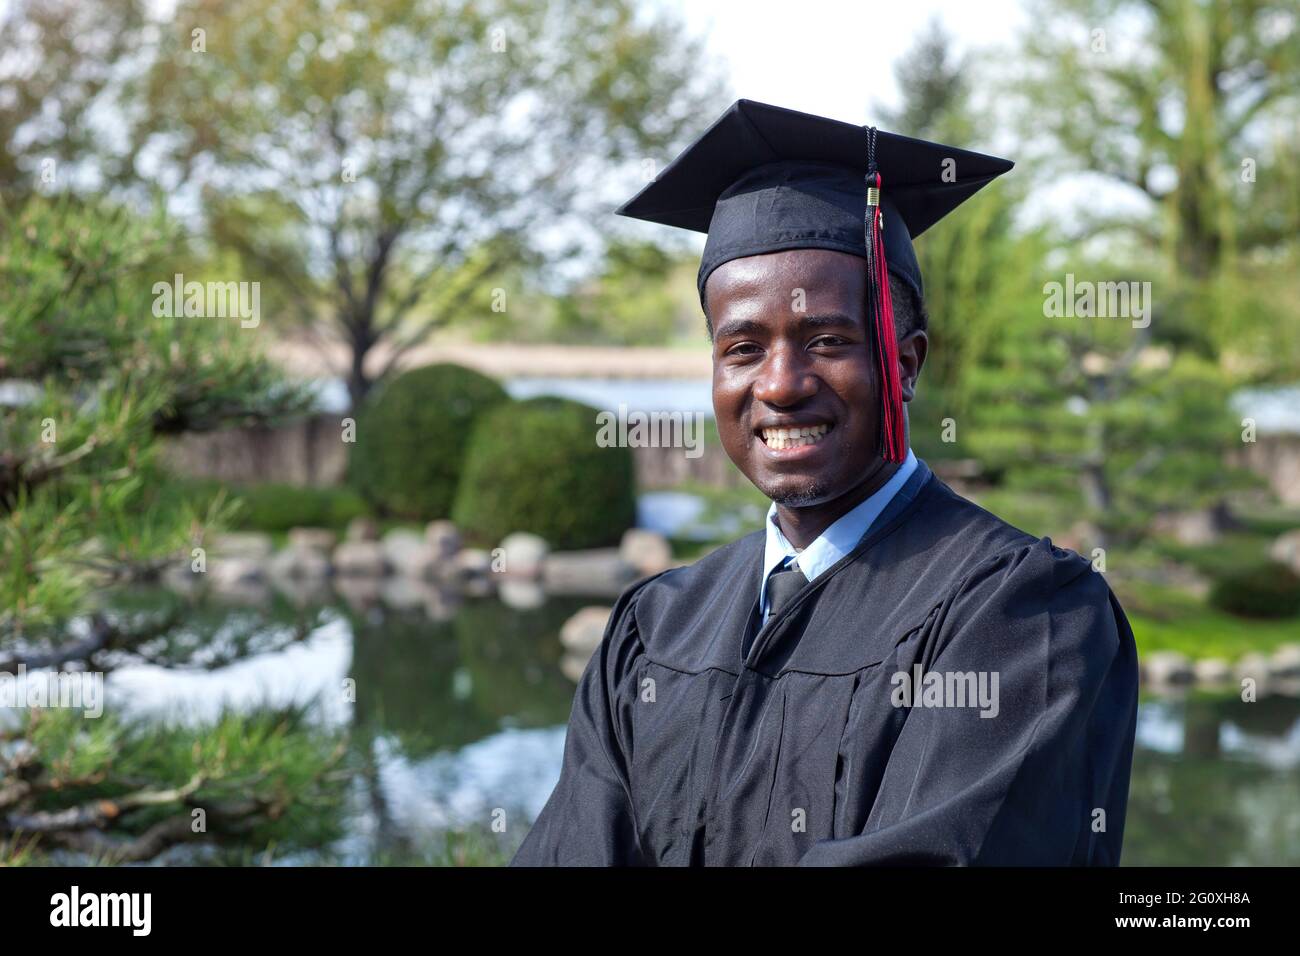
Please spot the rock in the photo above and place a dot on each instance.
(242, 544)
(402, 592)
(520, 594)
(227, 572)
(1286, 550)
(1212, 670)
(407, 553)
(312, 539)
(1167, 668)
(443, 537)
(299, 564)
(523, 554)
(599, 571)
(1255, 666)
(360, 593)
(647, 551)
(362, 529)
(359, 559)
(581, 633)
(471, 563)
(1285, 661)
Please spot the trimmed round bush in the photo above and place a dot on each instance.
(535, 466)
(411, 439)
(1264, 590)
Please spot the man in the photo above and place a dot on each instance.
(887, 674)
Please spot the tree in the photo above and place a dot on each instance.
(96, 374)
(1100, 418)
(65, 67)
(382, 161)
(1084, 419)
(1170, 98)
(1182, 104)
(105, 377)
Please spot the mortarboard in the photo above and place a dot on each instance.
(762, 179)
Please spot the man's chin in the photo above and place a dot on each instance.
(796, 494)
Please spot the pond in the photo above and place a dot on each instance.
(460, 705)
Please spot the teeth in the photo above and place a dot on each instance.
(780, 438)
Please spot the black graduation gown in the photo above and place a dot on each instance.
(681, 753)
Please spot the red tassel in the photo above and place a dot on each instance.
(892, 429)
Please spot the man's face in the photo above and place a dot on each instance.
(791, 351)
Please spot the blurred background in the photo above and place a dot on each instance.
(309, 308)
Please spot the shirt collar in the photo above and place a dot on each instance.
(837, 540)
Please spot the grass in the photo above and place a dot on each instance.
(1167, 619)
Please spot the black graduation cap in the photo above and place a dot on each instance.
(762, 179)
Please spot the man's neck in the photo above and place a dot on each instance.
(803, 526)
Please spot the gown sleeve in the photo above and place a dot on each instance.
(1045, 781)
(589, 820)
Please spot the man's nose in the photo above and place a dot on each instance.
(785, 378)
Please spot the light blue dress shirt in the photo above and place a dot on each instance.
(833, 543)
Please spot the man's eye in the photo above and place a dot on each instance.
(743, 348)
(824, 340)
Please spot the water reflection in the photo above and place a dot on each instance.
(1216, 782)
(455, 708)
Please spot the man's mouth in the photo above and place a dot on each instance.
(793, 436)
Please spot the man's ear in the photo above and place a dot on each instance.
(912, 351)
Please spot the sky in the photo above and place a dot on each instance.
(836, 58)
(817, 55)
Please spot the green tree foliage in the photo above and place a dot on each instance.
(383, 161)
(121, 791)
(535, 466)
(1192, 106)
(411, 439)
(96, 375)
(96, 378)
(1086, 413)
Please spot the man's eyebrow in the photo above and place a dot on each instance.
(821, 320)
(827, 320)
(739, 327)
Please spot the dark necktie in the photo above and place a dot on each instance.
(781, 587)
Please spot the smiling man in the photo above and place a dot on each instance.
(886, 674)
